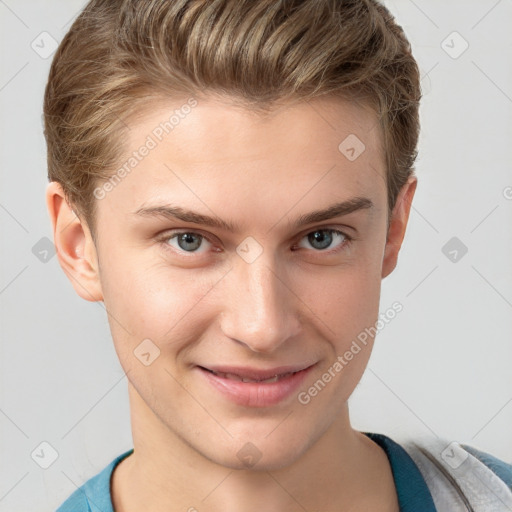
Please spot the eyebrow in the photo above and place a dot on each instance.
(172, 212)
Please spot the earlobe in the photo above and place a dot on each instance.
(74, 245)
(398, 224)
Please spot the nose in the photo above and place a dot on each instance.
(261, 311)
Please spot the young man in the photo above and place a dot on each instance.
(233, 179)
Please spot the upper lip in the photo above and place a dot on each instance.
(257, 373)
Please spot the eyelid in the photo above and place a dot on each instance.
(168, 233)
(348, 232)
(342, 229)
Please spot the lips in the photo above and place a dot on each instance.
(253, 387)
(242, 378)
(246, 374)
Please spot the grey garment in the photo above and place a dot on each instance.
(457, 480)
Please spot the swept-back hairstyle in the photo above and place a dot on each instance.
(119, 56)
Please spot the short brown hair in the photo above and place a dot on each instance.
(118, 55)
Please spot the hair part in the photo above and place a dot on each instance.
(119, 57)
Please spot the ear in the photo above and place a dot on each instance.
(398, 223)
(74, 245)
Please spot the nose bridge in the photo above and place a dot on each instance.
(260, 310)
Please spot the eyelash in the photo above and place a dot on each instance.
(165, 237)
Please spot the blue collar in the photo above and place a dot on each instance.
(411, 488)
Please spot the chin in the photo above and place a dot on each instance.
(259, 454)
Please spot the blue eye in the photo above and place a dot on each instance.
(321, 239)
(187, 241)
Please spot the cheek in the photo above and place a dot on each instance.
(348, 306)
(346, 300)
(150, 301)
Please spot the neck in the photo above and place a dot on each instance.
(165, 473)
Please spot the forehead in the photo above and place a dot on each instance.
(210, 150)
(218, 127)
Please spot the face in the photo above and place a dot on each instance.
(238, 247)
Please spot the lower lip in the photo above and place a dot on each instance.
(255, 394)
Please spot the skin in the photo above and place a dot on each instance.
(295, 303)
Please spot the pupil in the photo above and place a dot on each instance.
(319, 236)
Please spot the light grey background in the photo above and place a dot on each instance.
(442, 366)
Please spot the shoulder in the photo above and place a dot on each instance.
(460, 474)
(77, 502)
(94, 495)
(459, 457)
(499, 467)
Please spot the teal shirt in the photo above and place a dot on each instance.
(413, 493)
